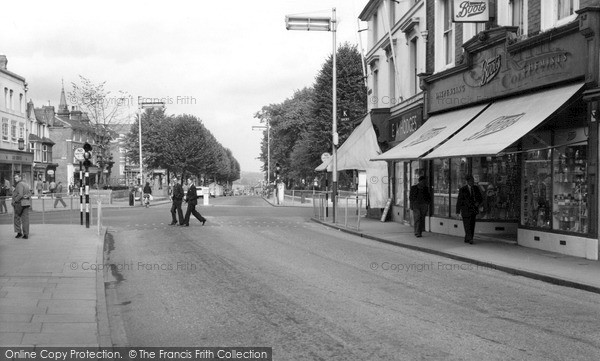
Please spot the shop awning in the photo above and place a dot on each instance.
(356, 151)
(433, 132)
(505, 122)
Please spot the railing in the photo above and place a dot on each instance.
(349, 207)
(53, 207)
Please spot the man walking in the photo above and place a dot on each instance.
(420, 198)
(21, 202)
(177, 197)
(192, 201)
(58, 195)
(467, 206)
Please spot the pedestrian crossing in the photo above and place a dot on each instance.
(255, 224)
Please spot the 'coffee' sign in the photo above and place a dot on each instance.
(465, 11)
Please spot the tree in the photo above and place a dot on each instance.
(301, 125)
(103, 109)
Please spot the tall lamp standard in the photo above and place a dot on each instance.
(268, 128)
(294, 22)
(141, 106)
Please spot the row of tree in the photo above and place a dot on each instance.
(301, 125)
(182, 145)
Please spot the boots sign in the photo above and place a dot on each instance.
(465, 11)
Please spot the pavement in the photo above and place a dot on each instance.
(486, 251)
(53, 285)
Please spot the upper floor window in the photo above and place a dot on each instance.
(557, 12)
(6, 98)
(21, 103)
(374, 30)
(44, 153)
(13, 130)
(448, 32)
(4, 129)
(445, 37)
(21, 130)
(10, 101)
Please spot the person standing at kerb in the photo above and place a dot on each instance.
(420, 199)
(467, 206)
(21, 201)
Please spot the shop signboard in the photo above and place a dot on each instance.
(464, 11)
(406, 123)
(496, 72)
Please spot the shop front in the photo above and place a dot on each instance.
(405, 172)
(16, 162)
(530, 148)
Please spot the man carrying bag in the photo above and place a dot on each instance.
(21, 202)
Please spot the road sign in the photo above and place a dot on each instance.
(345, 117)
(325, 157)
(78, 154)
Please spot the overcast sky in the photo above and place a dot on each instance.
(218, 60)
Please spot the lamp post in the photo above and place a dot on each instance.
(293, 22)
(145, 105)
(268, 128)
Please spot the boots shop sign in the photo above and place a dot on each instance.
(465, 11)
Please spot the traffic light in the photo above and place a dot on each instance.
(277, 170)
(87, 154)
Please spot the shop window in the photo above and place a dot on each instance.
(570, 192)
(537, 191)
(441, 187)
(498, 179)
(458, 171)
(400, 186)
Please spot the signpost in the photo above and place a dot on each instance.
(79, 156)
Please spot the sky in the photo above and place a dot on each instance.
(221, 61)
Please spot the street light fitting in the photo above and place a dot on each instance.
(315, 23)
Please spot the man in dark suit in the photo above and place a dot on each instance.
(420, 198)
(177, 198)
(467, 206)
(192, 201)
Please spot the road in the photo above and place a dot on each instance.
(257, 275)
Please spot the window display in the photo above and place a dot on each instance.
(400, 187)
(458, 171)
(441, 187)
(570, 195)
(537, 191)
(498, 179)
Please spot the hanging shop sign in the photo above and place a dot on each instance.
(470, 11)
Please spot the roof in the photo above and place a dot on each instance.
(369, 10)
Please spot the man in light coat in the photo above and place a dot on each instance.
(21, 200)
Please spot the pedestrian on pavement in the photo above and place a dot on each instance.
(21, 202)
(147, 194)
(467, 206)
(52, 186)
(59, 195)
(177, 197)
(192, 201)
(3, 195)
(39, 187)
(420, 199)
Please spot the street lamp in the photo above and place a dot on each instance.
(294, 22)
(21, 143)
(268, 128)
(145, 105)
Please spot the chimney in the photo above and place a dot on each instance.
(3, 62)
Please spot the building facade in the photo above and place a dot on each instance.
(15, 156)
(396, 55)
(40, 144)
(69, 129)
(513, 101)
